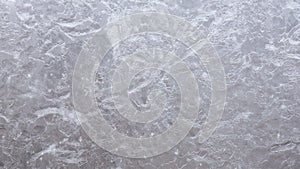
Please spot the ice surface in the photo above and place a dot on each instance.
(258, 43)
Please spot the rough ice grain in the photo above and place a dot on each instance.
(257, 41)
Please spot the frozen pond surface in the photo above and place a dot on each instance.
(257, 43)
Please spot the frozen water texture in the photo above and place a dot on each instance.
(258, 43)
